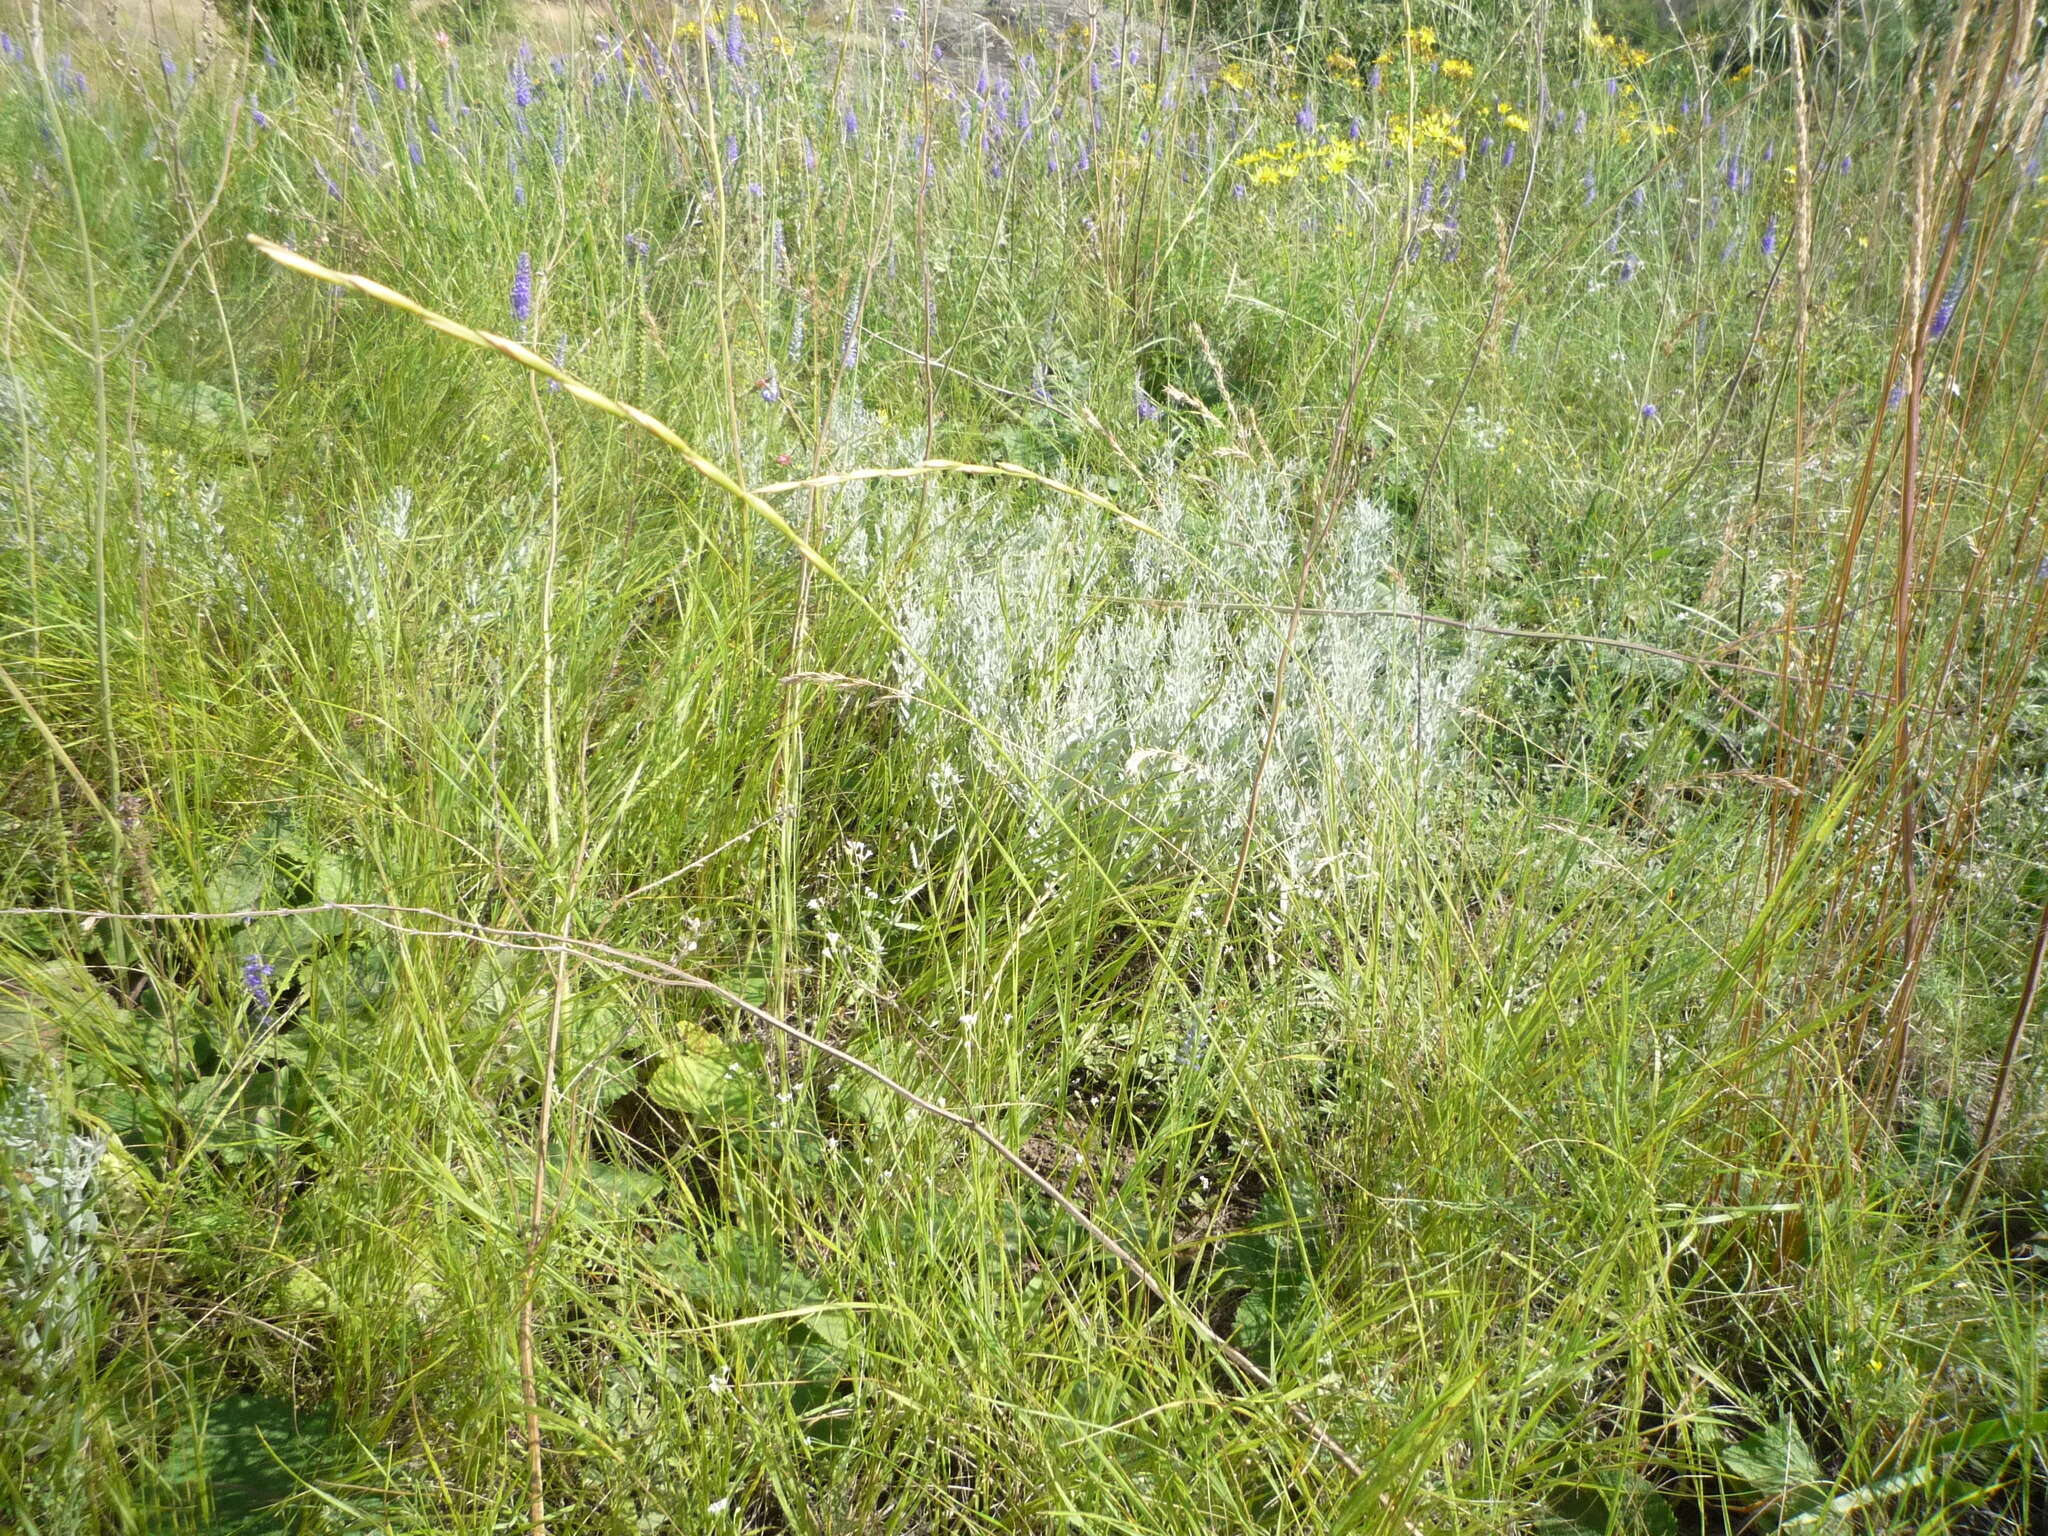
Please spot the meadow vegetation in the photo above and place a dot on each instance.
(1288, 784)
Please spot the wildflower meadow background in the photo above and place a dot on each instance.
(906, 771)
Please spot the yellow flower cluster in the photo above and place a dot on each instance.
(1458, 69)
(1416, 40)
(711, 22)
(1285, 161)
(1236, 76)
(1434, 129)
(1623, 54)
(1628, 127)
(1510, 118)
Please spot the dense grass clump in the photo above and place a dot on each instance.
(1054, 784)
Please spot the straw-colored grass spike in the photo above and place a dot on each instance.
(372, 289)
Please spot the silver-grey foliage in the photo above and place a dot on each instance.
(1107, 667)
(47, 1265)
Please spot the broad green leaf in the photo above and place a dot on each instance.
(832, 1327)
(598, 1028)
(1774, 1460)
(1775, 1464)
(241, 1456)
(238, 882)
(857, 1096)
(305, 1289)
(351, 982)
(734, 1274)
(708, 1080)
(599, 1193)
(621, 1191)
(1038, 1229)
(1610, 1503)
(235, 1117)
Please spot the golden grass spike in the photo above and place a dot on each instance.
(654, 426)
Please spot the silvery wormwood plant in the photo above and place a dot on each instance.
(1111, 669)
(46, 1264)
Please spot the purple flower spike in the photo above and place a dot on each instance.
(1148, 408)
(522, 289)
(1945, 312)
(256, 974)
(1769, 243)
(1649, 411)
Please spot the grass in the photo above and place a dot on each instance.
(1383, 891)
